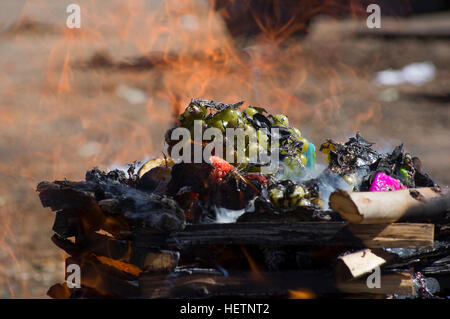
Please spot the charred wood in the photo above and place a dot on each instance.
(294, 233)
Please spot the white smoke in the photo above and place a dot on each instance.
(227, 216)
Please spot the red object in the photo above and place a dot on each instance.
(222, 167)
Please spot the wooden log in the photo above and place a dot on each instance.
(357, 264)
(107, 246)
(438, 267)
(280, 284)
(161, 261)
(74, 200)
(406, 235)
(68, 246)
(106, 201)
(397, 235)
(239, 283)
(302, 213)
(105, 279)
(66, 225)
(395, 283)
(387, 207)
(423, 260)
(148, 259)
(59, 291)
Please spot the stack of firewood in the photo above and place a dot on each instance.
(131, 243)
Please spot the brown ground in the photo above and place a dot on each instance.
(60, 115)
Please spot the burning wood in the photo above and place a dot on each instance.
(157, 233)
(398, 284)
(297, 233)
(354, 265)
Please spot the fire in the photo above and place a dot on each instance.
(254, 267)
(61, 116)
(373, 113)
(66, 75)
(301, 294)
(120, 265)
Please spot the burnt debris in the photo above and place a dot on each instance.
(358, 164)
(218, 228)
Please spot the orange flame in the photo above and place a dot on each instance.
(302, 294)
(255, 268)
(62, 114)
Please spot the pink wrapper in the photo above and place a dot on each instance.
(385, 183)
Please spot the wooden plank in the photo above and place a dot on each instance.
(65, 224)
(405, 235)
(238, 283)
(396, 283)
(104, 279)
(397, 235)
(106, 246)
(357, 264)
(149, 259)
(285, 283)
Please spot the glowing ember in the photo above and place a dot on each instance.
(301, 294)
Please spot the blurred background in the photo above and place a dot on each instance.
(103, 95)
